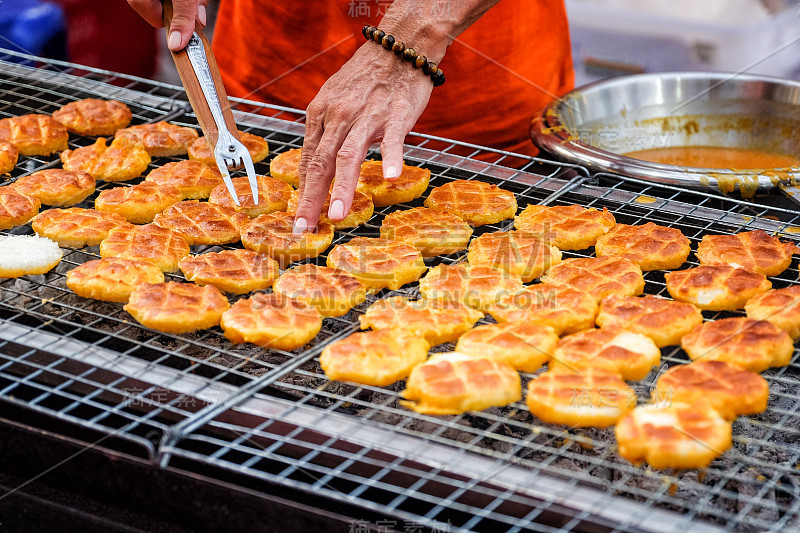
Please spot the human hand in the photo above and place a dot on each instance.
(184, 15)
(374, 97)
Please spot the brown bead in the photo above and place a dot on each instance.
(430, 68)
(438, 78)
(398, 48)
(410, 54)
(378, 36)
(388, 42)
(420, 60)
(366, 31)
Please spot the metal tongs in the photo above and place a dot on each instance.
(200, 76)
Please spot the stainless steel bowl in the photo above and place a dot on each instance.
(594, 124)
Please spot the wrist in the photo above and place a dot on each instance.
(405, 53)
(427, 35)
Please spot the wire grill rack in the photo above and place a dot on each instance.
(192, 402)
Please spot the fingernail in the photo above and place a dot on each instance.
(391, 172)
(174, 41)
(201, 15)
(300, 225)
(336, 210)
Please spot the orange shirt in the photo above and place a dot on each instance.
(500, 71)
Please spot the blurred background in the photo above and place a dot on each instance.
(609, 37)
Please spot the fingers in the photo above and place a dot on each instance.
(184, 14)
(201, 12)
(149, 10)
(348, 167)
(392, 151)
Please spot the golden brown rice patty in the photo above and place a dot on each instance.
(331, 290)
(138, 204)
(378, 263)
(585, 399)
(716, 287)
(160, 246)
(176, 307)
(16, 208)
(676, 435)
(431, 232)
(569, 227)
(599, 276)
(453, 383)
(476, 202)
(34, 134)
(122, 160)
(650, 246)
(437, 322)
(56, 187)
(563, 308)
(754, 250)
(730, 389)
(233, 271)
(754, 345)
(76, 227)
(286, 166)
(476, 286)
(665, 321)
(361, 210)
(779, 306)
(271, 321)
(272, 235)
(258, 147)
(410, 184)
(520, 254)
(524, 345)
(92, 116)
(112, 280)
(162, 138)
(202, 223)
(9, 155)
(194, 179)
(273, 195)
(377, 358)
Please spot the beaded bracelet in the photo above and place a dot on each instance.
(371, 33)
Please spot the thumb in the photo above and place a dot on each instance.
(184, 14)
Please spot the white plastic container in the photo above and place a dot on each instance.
(609, 41)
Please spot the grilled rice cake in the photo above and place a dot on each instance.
(582, 399)
(286, 166)
(716, 287)
(378, 263)
(176, 307)
(614, 350)
(518, 253)
(649, 245)
(57, 187)
(160, 246)
(476, 202)
(92, 116)
(22, 255)
(273, 195)
(162, 138)
(232, 271)
(331, 290)
(452, 383)
(560, 307)
(478, 287)
(138, 204)
(16, 208)
(779, 306)
(201, 151)
(124, 159)
(75, 227)
(599, 276)
(676, 435)
(754, 250)
(524, 345)
(34, 134)
(729, 389)
(202, 222)
(113, 279)
(9, 155)
(410, 184)
(272, 235)
(665, 321)
(194, 179)
(271, 321)
(437, 322)
(429, 231)
(754, 345)
(377, 358)
(361, 210)
(569, 227)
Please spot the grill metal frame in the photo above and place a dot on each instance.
(186, 402)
